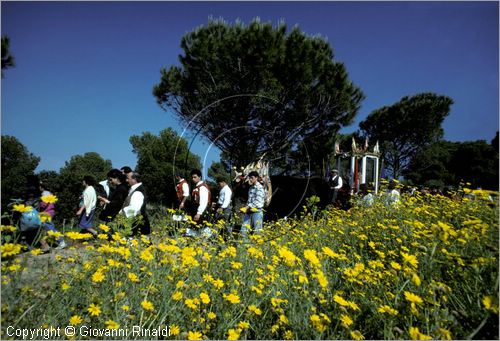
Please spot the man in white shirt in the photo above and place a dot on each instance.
(200, 199)
(200, 196)
(335, 185)
(223, 205)
(392, 196)
(182, 191)
(135, 204)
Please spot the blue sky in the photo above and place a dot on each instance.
(85, 70)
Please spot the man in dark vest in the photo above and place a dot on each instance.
(182, 191)
(335, 185)
(201, 198)
(135, 205)
(201, 195)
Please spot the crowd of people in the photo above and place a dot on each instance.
(123, 193)
(199, 205)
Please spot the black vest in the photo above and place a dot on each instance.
(144, 227)
(334, 182)
(129, 197)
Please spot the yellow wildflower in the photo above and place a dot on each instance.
(243, 325)
(205, 299)
(233, 298)
(410, 259)
(194, 336)
(236, 265)
(413, 298)
(104, 227)
(489, 304)
(49, 199)
(386, 309)
(146, 255)
(10, 249)
(356, 335)
(97, 277)
(283, 319)
(318, 323)
(192, 303)
(338, 299)
(233, 334)
(177, 296)
(346, 320)
(110, 324)
(75, 320)
(36, 252)
(133, 277)
(415, 334)
(94, 309)
(445, 334)
(174, 330)
(416, 280)
(21, 208)
(396, 265)
(255, 310)
(310, 255)
(8, 228)
(147, 305)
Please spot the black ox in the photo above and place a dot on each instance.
(290, 194)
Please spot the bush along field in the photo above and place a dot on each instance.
(423, 268)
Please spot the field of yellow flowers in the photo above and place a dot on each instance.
(426, 268)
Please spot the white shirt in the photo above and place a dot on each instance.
(339, 185)
(368, 199)
(185, 189)
(225, 197)
(89, 199)
(393, 196)
(136, 201)
(105, 185)
(203, 192)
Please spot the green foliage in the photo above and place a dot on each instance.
(158, 159)
(220, 170)
(50, 179)
(433, 163)
(7, 57)
(447, 163)
(406, 127)
(476, 162)
(18, 164)
(257, 88)
(69, 184)
(494, 142)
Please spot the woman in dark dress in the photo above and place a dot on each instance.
(116, 197)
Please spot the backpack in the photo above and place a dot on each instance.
(30, 220)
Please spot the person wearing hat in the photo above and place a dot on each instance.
(335, 185)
